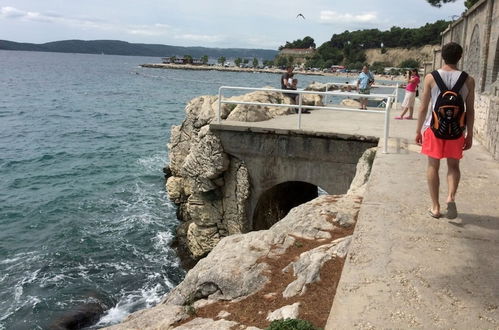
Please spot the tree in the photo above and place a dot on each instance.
(438, 3)
(238, 61)
(268, 63)
(379, 67)
(409, 63)
(307, 42)
(222, 60)
(281, 61)
(204, 59)
(255, 62)
(188, 58)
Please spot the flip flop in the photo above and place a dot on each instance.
(398, 117)
(451, 210)
(433, 215)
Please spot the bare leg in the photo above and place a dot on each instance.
(433, 183)
(411, 111)
(453, 177)
(364, 103)
(403, 112)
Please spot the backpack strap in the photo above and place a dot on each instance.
(460, 82)
(438, 80)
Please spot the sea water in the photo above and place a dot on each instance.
(84, 215)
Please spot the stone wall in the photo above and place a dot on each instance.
(478, 32)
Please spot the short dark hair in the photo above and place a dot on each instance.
(452, 52)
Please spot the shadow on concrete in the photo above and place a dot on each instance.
(484, 221)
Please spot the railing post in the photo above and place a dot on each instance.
(396, 95)
(387, 124)
(299, 110)
(325, 96)
(219, 105)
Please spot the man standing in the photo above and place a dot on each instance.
(451, 147)
(364, 82)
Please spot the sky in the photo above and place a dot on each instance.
(263, 24)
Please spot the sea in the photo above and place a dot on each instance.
(84, 215)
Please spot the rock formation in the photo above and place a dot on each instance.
(278, 266)
(210, 187)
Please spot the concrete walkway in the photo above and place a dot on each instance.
(406, 269)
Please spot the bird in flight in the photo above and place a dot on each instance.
(300, 15)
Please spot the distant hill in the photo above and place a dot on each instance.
(116, 47)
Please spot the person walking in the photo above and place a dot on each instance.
(438, 120)
(410, 94)
(364, 83)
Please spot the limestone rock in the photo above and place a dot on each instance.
(203, 323)
(307, 268)
(159, 317)
(175, 188)
(201, 240)
(363, 170)
(206, 161)
(253, 113)
(204, 211)
(200, 110)
(350, 103)
(312, 99)
(286, 312)
(179, 146)
(317, 86)
(223, 314)
(236, 191)
(233, 269)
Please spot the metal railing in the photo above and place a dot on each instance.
(395, 91)
(300, 106)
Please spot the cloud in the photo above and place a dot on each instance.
(85, 23)
(200, 37)
(14, 13)
(330, 16)
(11, 12)
(148, 30)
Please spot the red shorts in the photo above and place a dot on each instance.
(440, 148)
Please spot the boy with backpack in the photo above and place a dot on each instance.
(445, 126)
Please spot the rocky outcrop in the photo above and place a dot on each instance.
(210, 187)
(395, 56)
(242, 265)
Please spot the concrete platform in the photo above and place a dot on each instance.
(406, 269)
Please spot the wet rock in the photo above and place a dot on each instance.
(80, 316)
(159, 317)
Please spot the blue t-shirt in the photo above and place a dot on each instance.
(364, 79)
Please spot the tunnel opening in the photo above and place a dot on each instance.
(275, 203)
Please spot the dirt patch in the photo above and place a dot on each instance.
(315, 303)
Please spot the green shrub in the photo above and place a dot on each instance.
(409, 63)
(291, 324)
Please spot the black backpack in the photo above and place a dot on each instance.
(449, 116)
